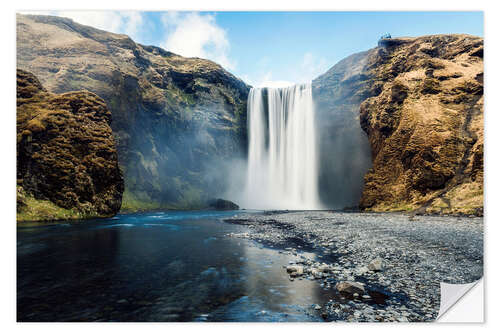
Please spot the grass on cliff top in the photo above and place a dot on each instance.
(44, 210)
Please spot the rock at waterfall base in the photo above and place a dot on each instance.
(295, 270)
(376, 265)
(350, 287)
(221, 204)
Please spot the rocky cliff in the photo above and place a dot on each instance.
(400, 125)
(420, 102)
(67, 164)
(343, 145)
(177, 120)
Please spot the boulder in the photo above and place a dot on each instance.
(362, 270)
(324, 268)
(350, 287)
(376, 265)
(295, 270)
(316, 273)
(221, 204)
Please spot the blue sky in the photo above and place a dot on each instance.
(274, 48)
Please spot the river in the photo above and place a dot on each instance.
(160, 266)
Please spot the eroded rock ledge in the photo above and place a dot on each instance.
(67, 164)
(420, 101)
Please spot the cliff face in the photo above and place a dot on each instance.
(343, 146)
(176, 120)
(405, 117)
(67, 165)
(420, 102)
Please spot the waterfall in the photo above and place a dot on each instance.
(282, 168)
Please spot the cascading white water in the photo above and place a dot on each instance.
(282, 160)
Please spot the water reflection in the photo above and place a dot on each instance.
(155, 267)
(271, 296)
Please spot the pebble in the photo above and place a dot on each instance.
(388, 251)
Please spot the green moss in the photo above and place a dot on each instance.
(175, 96)
(130, 203)
(190, 199)
(44, 210)
(114, 103)
(188, 98)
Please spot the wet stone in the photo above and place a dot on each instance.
(400, 261)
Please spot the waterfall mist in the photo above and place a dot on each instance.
(282, 167)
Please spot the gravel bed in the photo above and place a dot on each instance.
(384, 266)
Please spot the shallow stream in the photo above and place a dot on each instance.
(161, 266)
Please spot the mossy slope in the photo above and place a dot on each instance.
(67, 165)
(176, 120)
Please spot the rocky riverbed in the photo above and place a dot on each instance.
(382, 267)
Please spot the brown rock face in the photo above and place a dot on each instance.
(420, 101)
(66, 152)
(426, 126)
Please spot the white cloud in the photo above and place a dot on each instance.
(276, 84)
(304, 70)
(267, 81)
(132, 22)
(170, 18)
(312, 67)
(197, 35)
(122, 22)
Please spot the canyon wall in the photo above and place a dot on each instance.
(178, 121)
(343, 146)
(400, 126)
(420, 102)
